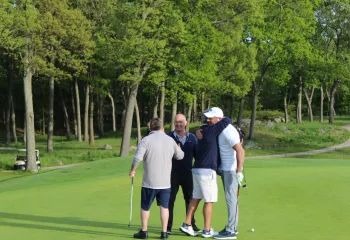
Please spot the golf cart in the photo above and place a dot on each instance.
(21, 160)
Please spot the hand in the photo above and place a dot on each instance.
(132, 174)
(239, 178)
(199, 134)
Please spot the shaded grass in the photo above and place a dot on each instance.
(91, 201)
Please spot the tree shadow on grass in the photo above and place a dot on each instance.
(35, 219)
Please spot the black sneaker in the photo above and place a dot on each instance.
(168, 232)
(141, 235)
(195, 228)
(164, 235)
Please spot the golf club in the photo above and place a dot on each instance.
(131, 194)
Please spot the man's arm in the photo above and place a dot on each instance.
(178, 153)
(239, 156)
(221, 125)
(138, 157)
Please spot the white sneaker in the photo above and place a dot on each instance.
(188, 230)
(209, 234)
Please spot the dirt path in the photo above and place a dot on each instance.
(323, 150)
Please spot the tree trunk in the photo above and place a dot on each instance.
(209, 102)
(162, 102)
(100, 116)
(124, 149)
(9, 100)
(195, 113)
(321, 103)
(91, 122)
(190, 105)
(300, 95)
(155, 106)
(78, 110)
(173, 113)
(30, 129)
(331, 104)
(66, 117)
(74, 114)
(203, 102)
(86, 114)
(25, 129)
(50, 120)
(253, 116)
(125, 95)
(138, 123)
(13, 120)
(113, 111)
(285, 103)
(240, 113)
(309, 103)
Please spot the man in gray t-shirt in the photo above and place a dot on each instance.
(156, 151)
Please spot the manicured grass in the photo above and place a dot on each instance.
(285, 199)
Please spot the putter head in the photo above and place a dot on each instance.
(245, 185)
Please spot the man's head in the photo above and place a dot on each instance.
(156, 124)
(213, 115)
(180, 123)
(149, 125)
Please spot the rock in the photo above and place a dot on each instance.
(57, 162)
(133, 148)
(106, 147)
(322, 131)
(270, 124)
(250, 144)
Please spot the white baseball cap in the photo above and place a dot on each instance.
(214, 112)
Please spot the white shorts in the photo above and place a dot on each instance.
(205, 187)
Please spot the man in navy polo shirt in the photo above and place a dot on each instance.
(181, 172)
(156, 151)
(204, 171)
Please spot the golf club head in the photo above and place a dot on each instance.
(245, 185)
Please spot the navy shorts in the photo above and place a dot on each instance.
(148, 195)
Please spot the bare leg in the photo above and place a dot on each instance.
(191, 210)
(164, 217)
(144, 219)
(207, 213)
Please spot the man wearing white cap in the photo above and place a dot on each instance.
(204, 171)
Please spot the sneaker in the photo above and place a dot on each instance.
(223, 231)
(141, 235)
(209, 234)
(168, 232)
(223, 234)
(195, 228)
(164, 235)
(188, 230)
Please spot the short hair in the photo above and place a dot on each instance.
(156, 124)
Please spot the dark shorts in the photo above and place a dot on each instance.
(148, 195)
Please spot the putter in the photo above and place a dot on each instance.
(132, 191)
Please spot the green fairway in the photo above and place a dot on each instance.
(285, 199)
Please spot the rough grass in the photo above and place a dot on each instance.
(285, 199)
(279, 138)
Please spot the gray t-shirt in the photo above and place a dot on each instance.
(157, 151)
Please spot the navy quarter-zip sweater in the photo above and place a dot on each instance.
(189, 148)
(207, 148)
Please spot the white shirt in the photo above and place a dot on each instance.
(227, 139)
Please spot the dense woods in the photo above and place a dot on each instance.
(84, 67)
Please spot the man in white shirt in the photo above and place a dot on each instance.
(232, 160)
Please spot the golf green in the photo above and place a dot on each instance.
(285, 199)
